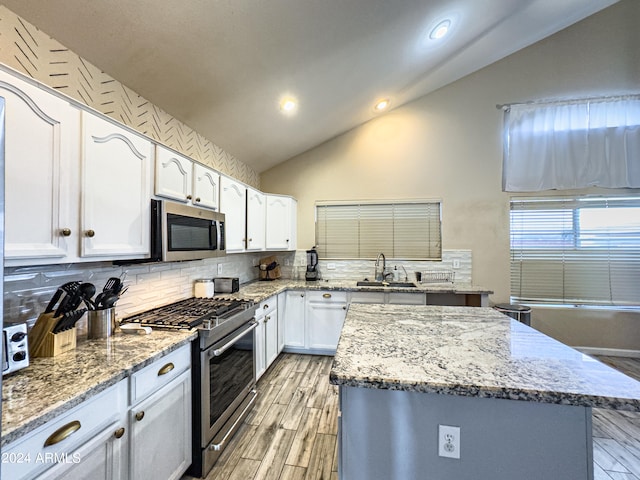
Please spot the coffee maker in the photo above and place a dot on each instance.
(312, 265)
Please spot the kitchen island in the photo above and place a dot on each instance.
(521, 400)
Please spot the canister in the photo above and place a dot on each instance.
(203, 288)
(101, 323)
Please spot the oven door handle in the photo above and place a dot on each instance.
(218, 446)
(219, 351)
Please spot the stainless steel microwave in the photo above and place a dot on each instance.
(182, 232)
(187, 233)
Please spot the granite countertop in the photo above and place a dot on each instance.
(51, 386)
(475, 352)
(261, 290)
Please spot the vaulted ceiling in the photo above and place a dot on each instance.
(223, 66)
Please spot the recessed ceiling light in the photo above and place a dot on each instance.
(381, 105)
(288, 105)
(440, 30)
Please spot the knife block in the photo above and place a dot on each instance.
(44, 343)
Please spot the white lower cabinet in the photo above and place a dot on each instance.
(266, 336)
(325, 314)
(294, 324)
(282, 305)
(161, 432)
(138, 429)
(58, 449)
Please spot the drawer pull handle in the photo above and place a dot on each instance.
(326, 295)
(119, 432)
(166, 369)
(265, 306)
(140, 415)
(62, 433)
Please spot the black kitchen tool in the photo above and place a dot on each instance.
(69, 320)
(88, 290)
(108, 301)
(113, 285)
(67, 288)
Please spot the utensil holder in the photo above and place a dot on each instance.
(101, 323)
(44, 343)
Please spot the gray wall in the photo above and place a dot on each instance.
(448, 145)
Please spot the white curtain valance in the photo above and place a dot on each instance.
(572, 145)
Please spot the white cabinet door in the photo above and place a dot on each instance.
(42, 175)
(103, 457)
(259, 342)
(115, 190)
(325, 316)
(173, 175)
(160, 443)
(256, 219)
(280, 223)
(233, 203)
(206, 187)
(271, 336)
(282, 302)
(294, 324)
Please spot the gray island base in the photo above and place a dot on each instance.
(521, 400)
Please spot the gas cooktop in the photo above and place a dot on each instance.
(203, 313)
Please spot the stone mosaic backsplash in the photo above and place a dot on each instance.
(32, 52)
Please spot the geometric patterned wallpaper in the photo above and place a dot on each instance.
(25, 48)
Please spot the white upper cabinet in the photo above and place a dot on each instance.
(116, 180)
(256, 219)
(281, 222)
(233, 203)
(180, 178)
(173, 175)
(42, 175)
(206, 187)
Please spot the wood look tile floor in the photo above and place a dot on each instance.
(291, 434)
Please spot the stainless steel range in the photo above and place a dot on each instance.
(223, 368)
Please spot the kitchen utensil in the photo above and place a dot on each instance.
(88, 290)
(113, 285)
(67, 288)
(68, 320)
(108, 301)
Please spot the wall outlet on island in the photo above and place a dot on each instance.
(448, 441)
(456, 263)
(219, 269)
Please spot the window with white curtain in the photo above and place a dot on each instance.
(576, 250)
(408, 230)
(573, 144)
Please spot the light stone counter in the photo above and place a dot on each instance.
(475, 352)
(261, 290)
(51, 386)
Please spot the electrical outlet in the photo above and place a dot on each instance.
(255, 262)
(287, 262)
(448, 441)
(219, 269)
(331, 266)
(456, 263)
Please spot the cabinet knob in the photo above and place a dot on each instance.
(267, 318)
(119, 432)
(90, 233)
(265, 306)
(62, 433)
(251, 239)
(140, 415)
(302, 295)
(166, 369)
(344, 308)
(189, 197)
(65, 232)
(326, 295)
(198, 199)
(287, 240)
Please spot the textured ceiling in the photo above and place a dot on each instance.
(221, 66)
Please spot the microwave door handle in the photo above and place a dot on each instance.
(214, 234)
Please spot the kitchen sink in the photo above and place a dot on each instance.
(368, 283)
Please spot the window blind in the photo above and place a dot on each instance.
(576, 251)
(401, 230)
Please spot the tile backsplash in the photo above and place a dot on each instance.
(27, 290)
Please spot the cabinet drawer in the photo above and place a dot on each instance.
(159, 373)
(29, 456)
(267, 306)
(327, 296)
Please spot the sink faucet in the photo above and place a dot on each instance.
(380, 276)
